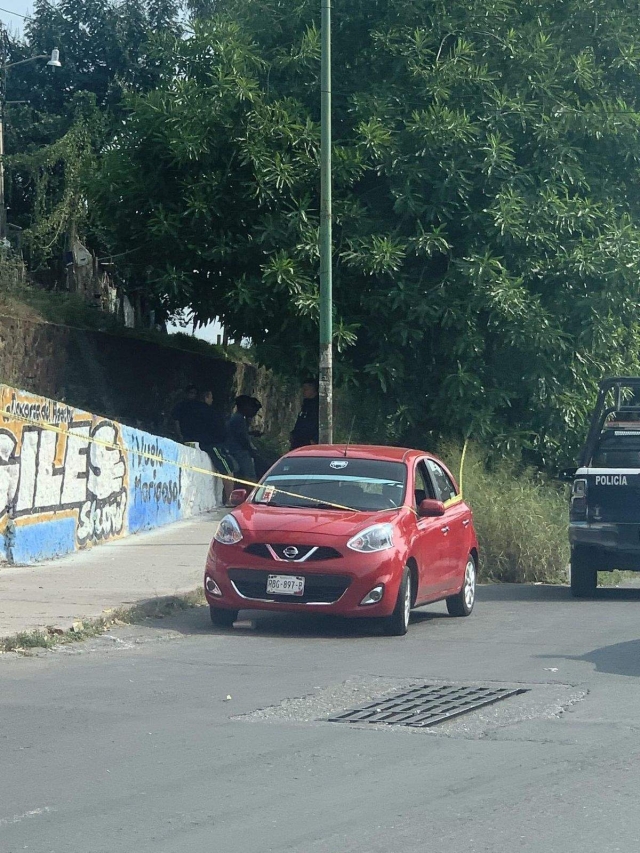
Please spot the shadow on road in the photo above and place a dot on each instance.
(196, 621)
(523, 592)
(618, 659)
(545, 593)
(311, 626)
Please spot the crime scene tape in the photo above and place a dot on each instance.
(462, 461)
(110, 445)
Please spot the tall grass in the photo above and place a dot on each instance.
(521, 517)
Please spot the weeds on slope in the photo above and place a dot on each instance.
(520, 514)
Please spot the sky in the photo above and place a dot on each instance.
(13, 22)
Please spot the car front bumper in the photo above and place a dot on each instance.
(242, 581)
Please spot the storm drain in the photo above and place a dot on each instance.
(426, 706)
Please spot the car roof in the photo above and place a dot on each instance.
(360, 451)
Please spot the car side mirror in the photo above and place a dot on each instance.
(431, 509)
(238, 496)
(568, 475)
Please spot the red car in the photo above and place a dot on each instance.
(352, 531)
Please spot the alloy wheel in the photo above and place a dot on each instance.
(407, 603)
(470, 584)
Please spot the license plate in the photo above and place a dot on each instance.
(285, 585)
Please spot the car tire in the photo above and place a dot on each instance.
(584, 575)
(397, 624)
(222, 618)
(462, 603)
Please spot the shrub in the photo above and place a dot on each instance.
(521, 517)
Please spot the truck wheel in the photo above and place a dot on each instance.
(584, 576)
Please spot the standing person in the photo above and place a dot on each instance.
(307, 428)
(185, 416)
(262, 465)
(239, 439)
(212, 438)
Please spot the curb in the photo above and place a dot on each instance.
(55, 635)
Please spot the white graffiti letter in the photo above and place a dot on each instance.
(107, 467)
(74, 489)
(48, 483)
(9, 471)
(28, 469)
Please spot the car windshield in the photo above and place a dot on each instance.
(365, 485)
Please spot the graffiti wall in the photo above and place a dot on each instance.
(71, 480)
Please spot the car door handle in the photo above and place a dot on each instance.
(445, 529)
(466, 522)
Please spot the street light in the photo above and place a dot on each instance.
(326, 270)
(53, 62)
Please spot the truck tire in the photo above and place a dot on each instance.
(584, 575)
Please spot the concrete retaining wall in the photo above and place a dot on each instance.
(137, 382)
(60, 493)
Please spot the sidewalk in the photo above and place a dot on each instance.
(162, 562)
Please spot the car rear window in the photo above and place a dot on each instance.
(311, 481)
(618, 449)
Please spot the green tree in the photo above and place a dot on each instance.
(487, 258)
(106, 48)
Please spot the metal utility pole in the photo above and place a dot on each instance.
(3, 98)
(326, 260)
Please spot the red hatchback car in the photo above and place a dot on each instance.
(358, 531)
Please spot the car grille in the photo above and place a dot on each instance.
(320, 589)
(319, 553)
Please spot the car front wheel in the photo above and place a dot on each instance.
(397, 624)
(223, 618)
(462, 603)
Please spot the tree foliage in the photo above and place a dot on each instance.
(57, 121)
(487, 251)
(487, 222)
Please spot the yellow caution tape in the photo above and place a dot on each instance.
(462, 461)
(160, 459)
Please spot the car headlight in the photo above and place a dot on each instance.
(228, 532)
(376, 538)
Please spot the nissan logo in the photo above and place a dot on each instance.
(290, 552)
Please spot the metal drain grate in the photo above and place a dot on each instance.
(426, 705)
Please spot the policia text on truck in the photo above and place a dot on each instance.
(604, 528)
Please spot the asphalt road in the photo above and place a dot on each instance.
(129, 742)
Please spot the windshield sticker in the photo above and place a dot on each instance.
(268, 494)
(339, 465)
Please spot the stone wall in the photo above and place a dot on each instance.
(128, 379)
(70, 480)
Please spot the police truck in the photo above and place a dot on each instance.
(604, 527)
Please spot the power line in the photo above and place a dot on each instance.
(17, 14)
(29, 17)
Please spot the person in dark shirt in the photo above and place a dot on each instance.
(307, 428)
(239, 441)
(211, 432)
(184, 415)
